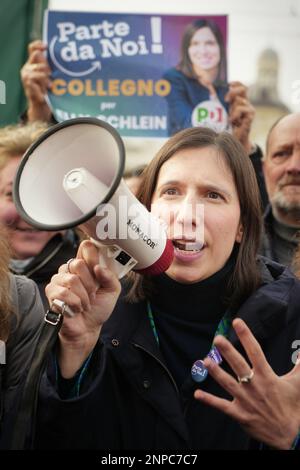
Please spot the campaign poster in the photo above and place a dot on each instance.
(146, 75)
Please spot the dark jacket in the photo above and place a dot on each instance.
(26, 321)
(267, 248)
(270, 239)
(58, 251)
(131, 401)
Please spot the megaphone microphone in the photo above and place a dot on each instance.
(72, 176)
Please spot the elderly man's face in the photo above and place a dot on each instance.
(282, 170)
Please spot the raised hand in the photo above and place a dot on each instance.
(266, 405)
(241, 113)
(35, 77)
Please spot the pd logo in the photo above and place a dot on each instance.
(211, 114)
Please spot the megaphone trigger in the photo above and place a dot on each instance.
(115, 259)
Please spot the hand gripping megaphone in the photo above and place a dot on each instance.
(72, 176)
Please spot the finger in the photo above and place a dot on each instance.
(36, 92)
(36, 57)
(28, 69)
(238, 88)
(232, 94)
(240, 100)
(71, 282)
(65, 295)
(61, 269)
(89, 253)
(224, 379)
(39, 79)
(211, 400)
(241, 125)
(74, 283)
(36, 45)
(234, 83)
(251, 346)
(241, 112)
(236, 361)
(244, 104)
(107, 279)
(35, 72)
(37, 67)
(88, 279)
(225, 406)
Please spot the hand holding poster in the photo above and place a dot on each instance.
(146, 75)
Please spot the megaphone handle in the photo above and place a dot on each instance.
(110, 256)
(114, 258)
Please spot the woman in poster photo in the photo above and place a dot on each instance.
(200, 76)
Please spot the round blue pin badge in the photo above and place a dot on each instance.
(199, 371)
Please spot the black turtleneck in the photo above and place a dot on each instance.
(186, 317)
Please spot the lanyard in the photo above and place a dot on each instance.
(152, 323)
(199, 371)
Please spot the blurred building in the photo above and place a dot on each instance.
(265, 97)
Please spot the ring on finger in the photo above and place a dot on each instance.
(245, 379)
(68, 265)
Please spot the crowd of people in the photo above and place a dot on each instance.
(199, 357)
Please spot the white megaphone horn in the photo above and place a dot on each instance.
(72, 176)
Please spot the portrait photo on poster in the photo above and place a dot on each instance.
(147, 75)
(199, 78)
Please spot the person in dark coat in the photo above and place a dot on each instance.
(21, 316)
(146, 369)
(60, 248)
(281, 167)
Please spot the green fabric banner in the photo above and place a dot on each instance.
(20, 23)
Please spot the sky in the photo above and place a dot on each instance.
(253, 27)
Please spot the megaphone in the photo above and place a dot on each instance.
(72, 176)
